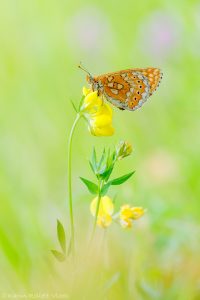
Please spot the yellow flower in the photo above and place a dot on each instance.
(123, 149)
(126, 223)
(97, 113)
(138, 212)
(104, 221)
(86, 91)
(91, 103)
(128, 214)
(106, 209)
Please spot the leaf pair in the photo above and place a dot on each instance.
(77, 109)
(95, 165)
(93, 188)
(116, 181)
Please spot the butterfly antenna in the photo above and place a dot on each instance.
(84, 69)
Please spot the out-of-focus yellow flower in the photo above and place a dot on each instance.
(127, 223)
(104, 221)
(138, 212)
(128, 214)
(106, 209)
(123, 149)
(97, 113)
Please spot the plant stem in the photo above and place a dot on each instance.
(97, 209)
(69, 173)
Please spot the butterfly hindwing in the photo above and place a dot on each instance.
(129, 89)
(154, 76)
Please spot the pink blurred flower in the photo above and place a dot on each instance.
(160, 34)
(89, 30)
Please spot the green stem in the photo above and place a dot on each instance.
(69, 173)
(97, 209)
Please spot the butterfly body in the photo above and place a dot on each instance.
(127, 89)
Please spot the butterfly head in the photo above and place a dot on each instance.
(89, 77)
(92, 81)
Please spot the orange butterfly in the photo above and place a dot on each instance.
(126, 89)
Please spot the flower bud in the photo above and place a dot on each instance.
(123, 149)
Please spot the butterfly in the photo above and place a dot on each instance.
(126, 89)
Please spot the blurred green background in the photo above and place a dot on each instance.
(41, 44)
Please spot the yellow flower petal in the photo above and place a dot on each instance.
(104, 221)
(127, 223)
(92, 103)
(86, 91)
(104, 109)
(126, 212)
(137, 212)
(102, 131)
(101, 121)
(106, 206)
(97, 113)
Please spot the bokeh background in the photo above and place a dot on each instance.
(41, 44)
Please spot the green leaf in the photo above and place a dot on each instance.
(107, 170)
(92, 187)
(115, 181)
(121, 179)
(91, 165)
(94, 161)
(58, 255)
(105, 188)
(81, 102)
(107, 173)
(74, 106)
(61, 235)
(102, 159)
(108, 158)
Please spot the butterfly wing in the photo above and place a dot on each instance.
(154, 76)
(127, 89)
